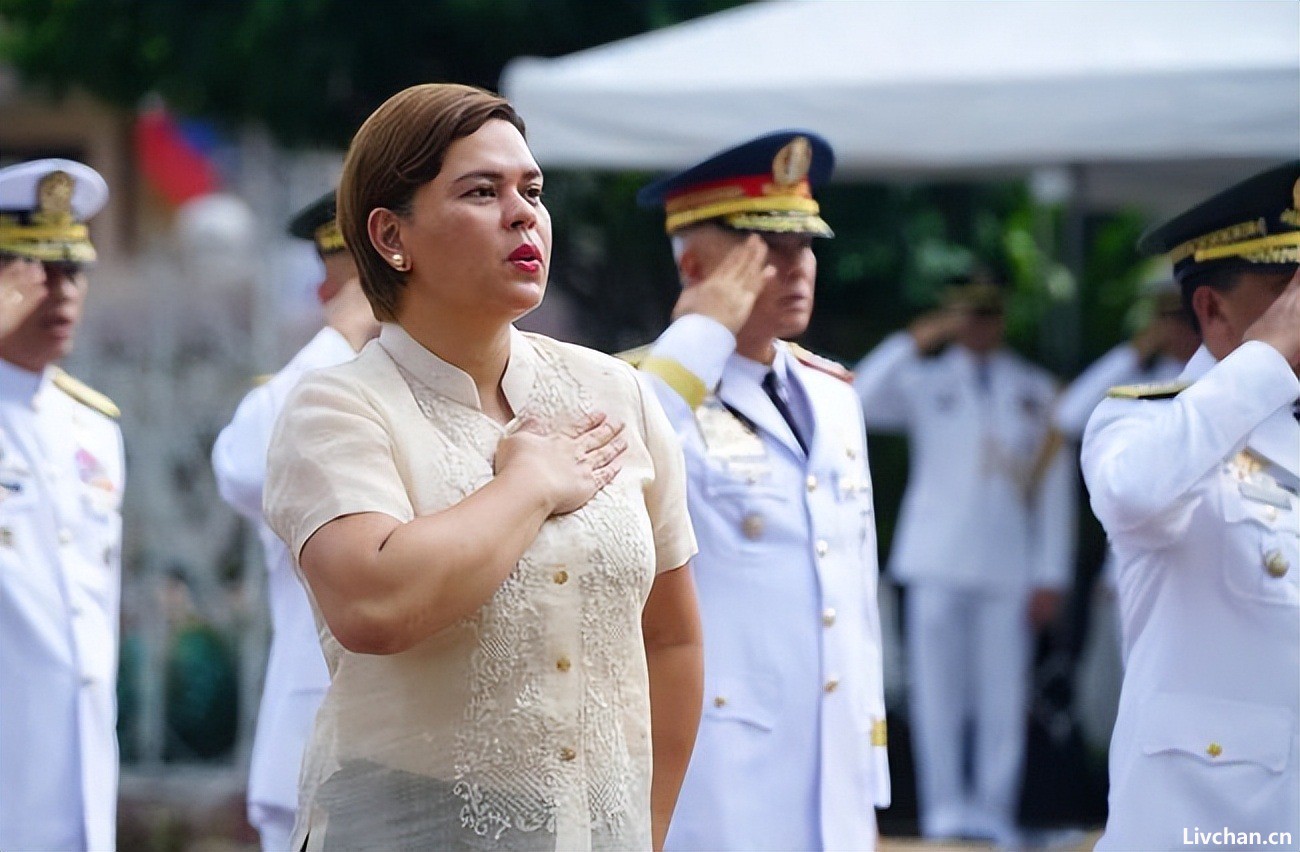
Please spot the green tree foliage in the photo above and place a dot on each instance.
(309, 70)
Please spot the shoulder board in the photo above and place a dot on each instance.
(634, 356)
(258, 381)
(1149, 390)
(817, 362)
(85, 394)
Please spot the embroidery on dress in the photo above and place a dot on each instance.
(509, 770)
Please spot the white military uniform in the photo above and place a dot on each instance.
(791, 749)
(61, 479)
(296, 676)
(981, 526)
(1120, 366)
(1198, 496)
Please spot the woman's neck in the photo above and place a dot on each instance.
(480, 350)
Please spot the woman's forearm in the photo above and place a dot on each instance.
(676, 690)
(385, 586)
(674, 650)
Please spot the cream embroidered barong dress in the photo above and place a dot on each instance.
(527, 725)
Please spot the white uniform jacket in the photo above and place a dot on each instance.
(791, 749)
(989, 503)
(296, 676)
(1119, 366)
(1198, 496)
(61, 479)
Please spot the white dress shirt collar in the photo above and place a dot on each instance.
(1199, 365)
(756, 370)
(22, 386)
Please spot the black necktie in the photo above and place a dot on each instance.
(774, 393)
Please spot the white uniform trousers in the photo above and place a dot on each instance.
(969, 654)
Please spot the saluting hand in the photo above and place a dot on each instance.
(727, 294)
(22, 288)
(934, 329)
(1279, 326)
(570, 466)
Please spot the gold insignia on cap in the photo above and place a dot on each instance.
(54, 198)
(1292, 216)
(52, 232)
(329, 238)
(791, 163)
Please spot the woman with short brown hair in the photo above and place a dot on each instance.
(490, 524)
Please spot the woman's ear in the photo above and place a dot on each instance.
(385, 230)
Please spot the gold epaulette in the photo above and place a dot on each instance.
(1149, 390)
(634, 356)
(258, 381)
(817, 362)
(85, 394)
(685, 383)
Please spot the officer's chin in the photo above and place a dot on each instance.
(795, 322)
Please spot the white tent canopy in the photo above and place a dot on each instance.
(1195, 89)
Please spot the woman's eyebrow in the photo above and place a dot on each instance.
(495, 176)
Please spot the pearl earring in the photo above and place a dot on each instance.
(399, 263)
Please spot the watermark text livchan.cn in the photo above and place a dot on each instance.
(1227, 837)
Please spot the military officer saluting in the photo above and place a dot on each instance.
(61, 477)
(983, 545)
(296, 676)
(1195, 483)
(790, 752)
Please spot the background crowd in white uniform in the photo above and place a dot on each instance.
(983, 547)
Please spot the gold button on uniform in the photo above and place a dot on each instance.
(880, 733)
(6, 537)
(752, 527)
(65, 536)
(560, 577)
(828, 616)
(567, 753)
(832, 684)
(1275, 564)
(719, 701)
(811, 482)
(850, 452)
(1270, 512)
(1214, 749)
(563, 664)
(822, 547)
